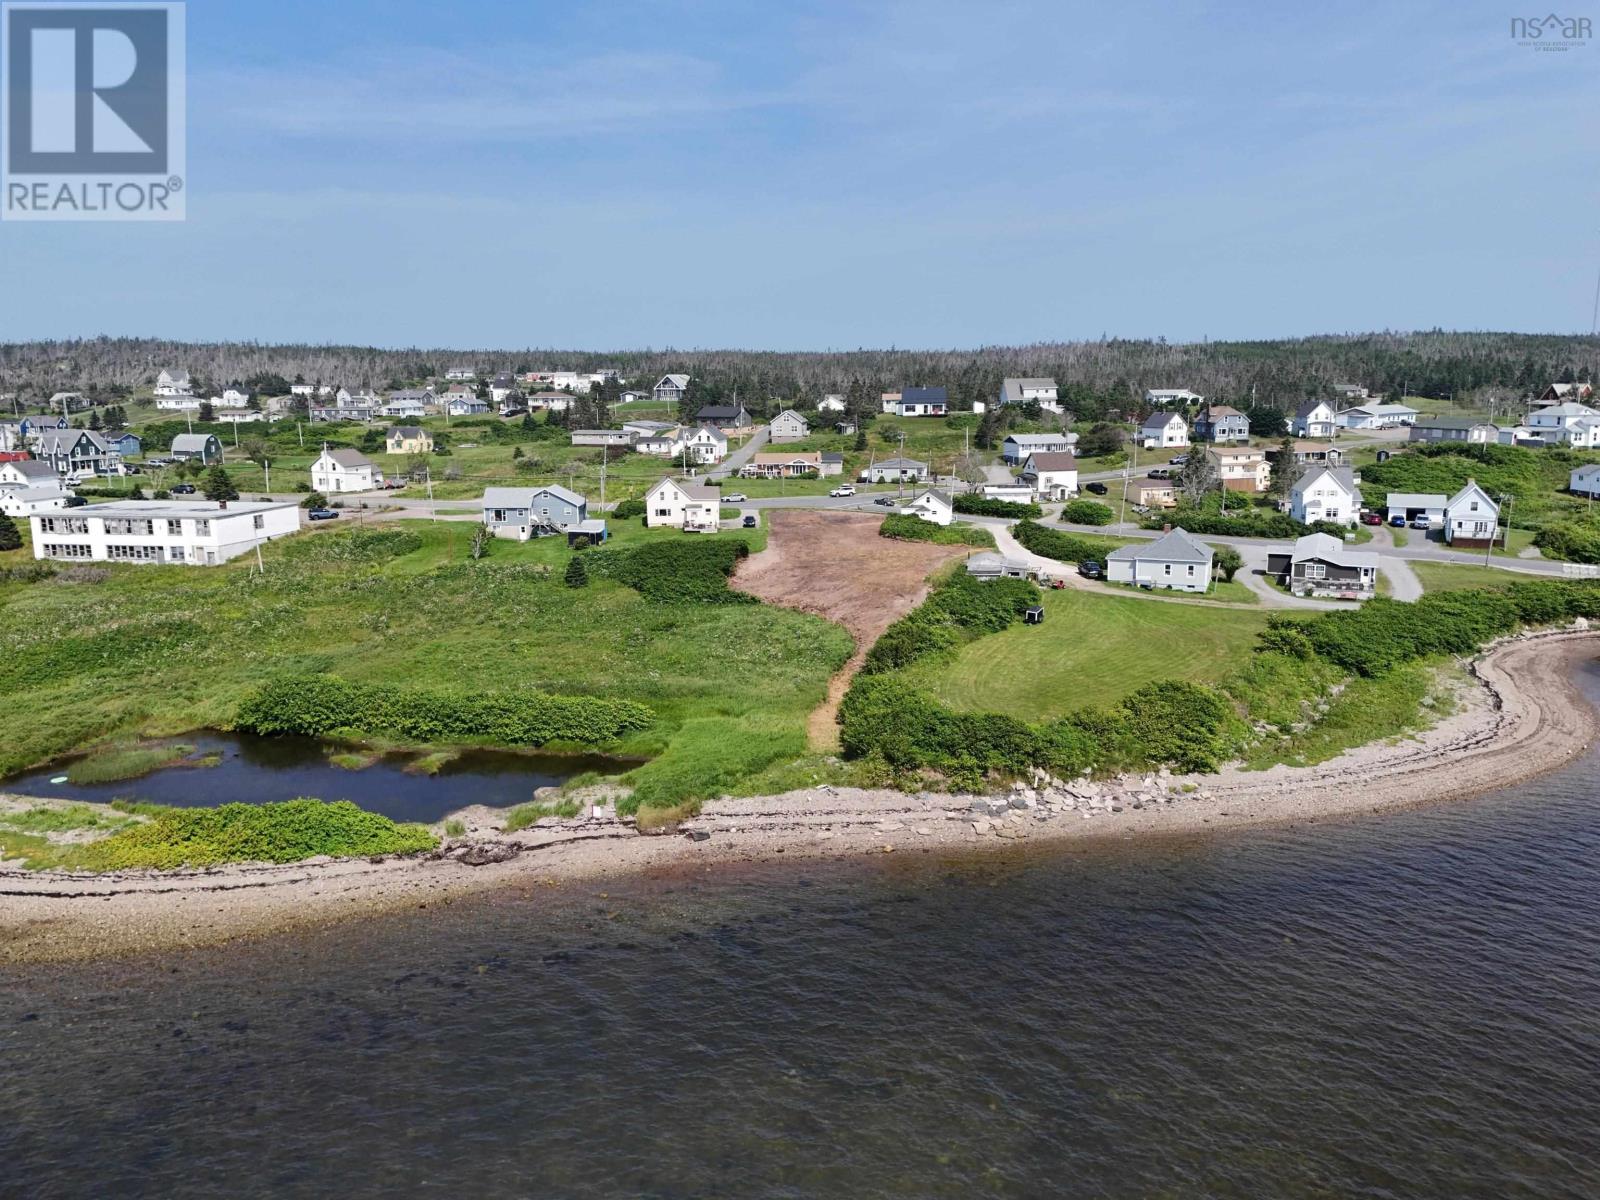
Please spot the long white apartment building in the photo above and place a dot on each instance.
(194, 532)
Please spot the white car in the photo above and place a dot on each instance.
(735, 498)
(844, 489)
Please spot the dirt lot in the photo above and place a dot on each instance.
(836, 566)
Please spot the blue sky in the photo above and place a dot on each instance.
(833, 175)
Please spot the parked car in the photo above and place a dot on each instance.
(182, 489)
(750, 521)
(321, 514)
(735, 498)
(1371, 519)
(74, 502)
(887, 501)
(1160, 473)
(1179, 461)
(1398, 520)
(1099, 489)
(844, 489)
(1421, 523)
(1090, 569)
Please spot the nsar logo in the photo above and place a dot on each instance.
(92, 112)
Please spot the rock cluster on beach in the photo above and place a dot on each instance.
(1046, 796)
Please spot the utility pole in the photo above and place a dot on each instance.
(605, 456)
(433, 512)
(300, 432)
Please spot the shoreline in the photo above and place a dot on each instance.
(1523, 717)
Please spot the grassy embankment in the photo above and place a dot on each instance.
(155, 651)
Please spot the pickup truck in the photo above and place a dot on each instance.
(844, 489)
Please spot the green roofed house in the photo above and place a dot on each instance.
(1174, 560)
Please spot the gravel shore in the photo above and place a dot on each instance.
(1522, 716)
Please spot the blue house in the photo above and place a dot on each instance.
(523, 513)
(126, 444)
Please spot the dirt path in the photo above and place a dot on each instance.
(835, 565)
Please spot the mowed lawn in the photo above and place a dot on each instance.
(1092, 649)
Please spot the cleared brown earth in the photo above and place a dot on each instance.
(835, 565)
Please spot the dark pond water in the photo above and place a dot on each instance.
(259, 769)
(1400, 1007)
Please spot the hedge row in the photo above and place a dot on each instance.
(1255, 522)
(987, 506)
(915, 529)
(691, 570)
(1570, 542)
(1087, 512)
(1055, 543)
(958, 609)
(320, 704)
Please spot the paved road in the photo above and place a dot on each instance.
(742, 455)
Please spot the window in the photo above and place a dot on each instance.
(63, 525)
(123, 527)
(174, 527)
(663, 512)
(175, 553)
(133, 553)
(202, 528)
(66, 550)
(1166, 568)
(1314, 570)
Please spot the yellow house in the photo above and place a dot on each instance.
(410, 439)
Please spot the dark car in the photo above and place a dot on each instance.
(750, 521)
(74, 502)
(887, 501)
(1090, 569)
(322, 514)
(1099, 489)
(182, 489)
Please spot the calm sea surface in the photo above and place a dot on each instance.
(1406, 1006)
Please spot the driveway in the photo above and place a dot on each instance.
(742, 455)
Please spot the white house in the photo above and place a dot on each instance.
(893, 470)
(704, 444)
(1471, 517)
(1584, 481)
(28, 473)
(196, 532)
(1417, 506)
(1164, 431)
(832, 402)
(178, 402)
(1171, 397)
(1313, 419)
(1324, 493)
(231, 398)
(408, 402)
(1017, 446)
(1377, 416)
(1575, 425)
(25, 501)
(1053, 475)
(173, 383)
(460, 372)
(1175, 560)
(1042, 392)
(931, 505)
(789, 426)
(344, 470)
(679, 504)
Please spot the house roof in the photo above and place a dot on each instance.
(407, 431)
(346, 457)
(1151, 483)
(677, 381)
(200, 507)
(60, 441)
(423, 394)
(1330, 549)
(1041, 439)
(832, 458)
(1309, 407)
(695, 491)
(193, 441)
(924, 395)
(1586, 472)
(809, 457)
(789, 412)
(1215, 412)
(1467, 489)
(1382, 410)
(1159, 420)
(1311, 473)
(1057, 460)
(1011, 389)
(1171, 393)
(1176, 545)
(990, 560)
(32, 469)
(1451, 423)
(1414, 500)
(29, 494)
(514, 497)
(939, 496)
(1569, 409)
(715, 412)
(898, 464)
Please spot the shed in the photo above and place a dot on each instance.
(594, 529)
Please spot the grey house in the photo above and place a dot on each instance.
(893, 470)
(1454, 429)
(1319, 565)
(1221, 423)
(1175, 560)
(523, 513)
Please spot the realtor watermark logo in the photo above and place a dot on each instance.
(1552, 32)
(92, 112)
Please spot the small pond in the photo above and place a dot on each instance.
(256, 770)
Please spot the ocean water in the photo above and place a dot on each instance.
(1398, 1006)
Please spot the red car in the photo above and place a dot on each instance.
(1371, 519)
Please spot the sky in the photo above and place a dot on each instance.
(644, 173)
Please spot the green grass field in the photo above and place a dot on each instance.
(1091, 649)
(157, 650)
(1454, 577)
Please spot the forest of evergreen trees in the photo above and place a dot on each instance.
(1099, 376)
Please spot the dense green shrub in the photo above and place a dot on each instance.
(1055, 543)
(10, 536)
(915, 529)
(987, 506)
(1087, 512)
(1570, 542)
(288, 831)
(960, 608)
(576, 576)
(690, 570)
(1249, 522)
(626, 510)
(322, 704)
